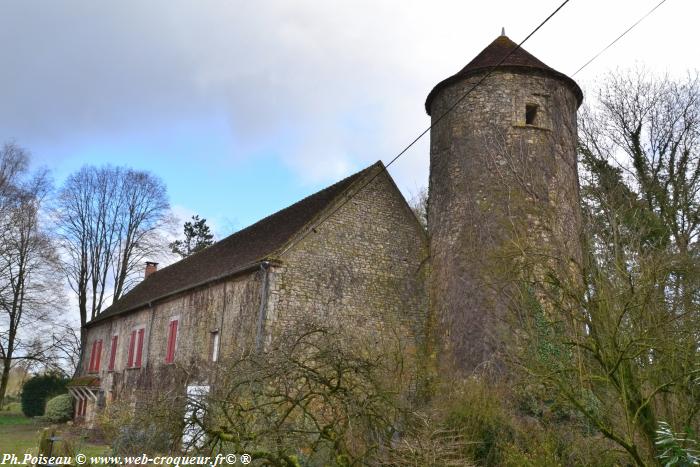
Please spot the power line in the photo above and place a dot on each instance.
(424, 132)
(619, 37)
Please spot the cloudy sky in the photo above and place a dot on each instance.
(243, 107)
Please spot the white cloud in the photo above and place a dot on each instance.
(328, 86)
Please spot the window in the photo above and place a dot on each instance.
(531, 114)
(132, 346)
(214, 346)
(113, 353)
(95, 356)
(172, 342)
(92, 356)
(139, 348)
(135, 355)
(98, 357)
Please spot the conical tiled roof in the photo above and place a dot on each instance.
(520, 59)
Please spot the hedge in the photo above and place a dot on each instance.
(37, 390)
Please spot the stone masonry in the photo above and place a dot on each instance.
(364, 267)
(502, 165)
(502, 173)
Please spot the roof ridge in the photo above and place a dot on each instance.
(326, 189)
(357, 176)
(267, 218)
(229, 255)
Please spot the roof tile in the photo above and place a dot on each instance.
(244, 248)
(491, 57)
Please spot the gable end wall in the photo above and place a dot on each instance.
(363, 267)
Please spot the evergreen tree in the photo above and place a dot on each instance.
(198, 236)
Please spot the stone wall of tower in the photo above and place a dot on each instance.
(497, 182)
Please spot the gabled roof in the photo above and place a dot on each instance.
(236, 253)
(492, 55)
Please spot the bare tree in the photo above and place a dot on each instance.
(60, 350)
(319, 394)
(335, 395)
(27, 261)
(108, 222)
(419, 205)
(13, 164)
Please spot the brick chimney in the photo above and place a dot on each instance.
(151, 267)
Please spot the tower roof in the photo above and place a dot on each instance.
(519, 60)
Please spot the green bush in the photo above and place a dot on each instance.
(37, 390)
(59, 409)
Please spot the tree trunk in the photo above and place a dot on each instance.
(6, 364)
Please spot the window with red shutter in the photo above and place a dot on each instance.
(113, 353)
(139, 348)
(172, 342)
(132, 345)
(98, 356)
(91, 367)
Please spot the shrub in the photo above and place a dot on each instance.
(675, 449)
(139, 438)
(37, 390)
(479, 412)
(154, 428)
(59, 409)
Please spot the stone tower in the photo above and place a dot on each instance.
(502, 167)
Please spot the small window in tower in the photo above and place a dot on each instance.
(214, 346)
(530, 114)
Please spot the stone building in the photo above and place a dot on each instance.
(363, 263)
(513, 134)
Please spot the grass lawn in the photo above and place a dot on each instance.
(19, 434)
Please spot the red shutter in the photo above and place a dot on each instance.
(92, 358)
(80, 409)
(113, 353)
(91, 368)
(172, 341)
(98, 355)
(139, 349)
(168, 349)
(132, 344)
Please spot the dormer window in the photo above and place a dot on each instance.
(531, 114)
